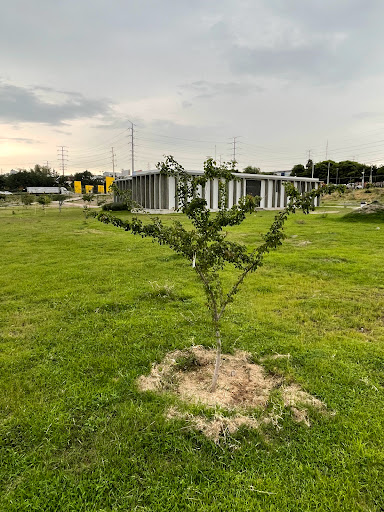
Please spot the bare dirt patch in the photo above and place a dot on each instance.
(370, 208)
(244, 391)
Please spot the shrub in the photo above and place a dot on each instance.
(114, 207)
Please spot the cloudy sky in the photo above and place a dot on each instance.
(282, 76)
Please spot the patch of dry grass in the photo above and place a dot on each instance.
(243, 388)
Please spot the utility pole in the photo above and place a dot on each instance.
(362, 181)
(337, 175)
(113, 163)
(370, 175)
(47, 164)
(329, 164)
(310, 160)
(62, 154)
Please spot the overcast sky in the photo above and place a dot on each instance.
(283, 76)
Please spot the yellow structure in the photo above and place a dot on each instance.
(100, 189)
(77, 187)
(108, 182)
(88, 189)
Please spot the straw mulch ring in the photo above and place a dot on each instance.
(242, 388)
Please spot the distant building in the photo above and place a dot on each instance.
(118, 174)
(157, 193)
(282, 173)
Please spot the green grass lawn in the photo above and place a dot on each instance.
(81, 318)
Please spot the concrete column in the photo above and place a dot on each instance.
(282, 196)
(262, 193)
(270, 194)
(238, 190)
(277, 195)
(143, 188)
(171, 193)
(161, 192)
(150, 191)
(208, 193)
(137, 190)
(156, 191)
(230, 194)
(317, 199)
(215, 194)
(133, 188)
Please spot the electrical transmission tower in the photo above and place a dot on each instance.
(132, 150)
(233, 144)
(62, 156)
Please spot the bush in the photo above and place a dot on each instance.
(28, 199)
(114, 207)
(44, 200)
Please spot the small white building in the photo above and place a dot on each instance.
(157, 193)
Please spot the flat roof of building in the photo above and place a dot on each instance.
(237, 174)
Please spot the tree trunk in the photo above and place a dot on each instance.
(218, 358)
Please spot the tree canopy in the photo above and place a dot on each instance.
(39, 176)
(87, 178)
(346, 171)
(251, 169)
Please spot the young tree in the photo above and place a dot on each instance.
(27, 199)
(206, 246)
(61, 198)
(88, 198)
(44, 201)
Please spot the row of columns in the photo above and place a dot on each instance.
(154, 191)
(151, 191)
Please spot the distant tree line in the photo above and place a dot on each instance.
(87, 178)
(39, 176)
(42, 176)
(343, 172)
